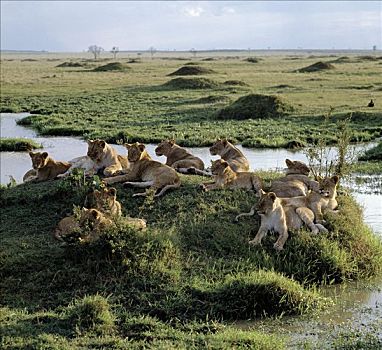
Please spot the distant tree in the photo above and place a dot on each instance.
(152, 50)
(95, 50)
(114, 51)
(193, 51)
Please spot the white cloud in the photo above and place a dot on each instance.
(193, 11)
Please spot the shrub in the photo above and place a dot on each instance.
(191, 83)
(191, 70)
(316, 67)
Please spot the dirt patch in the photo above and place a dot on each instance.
(191, 70)
(70, 64)
(111, 67)
(191, 83)
(316, 67)
(255, 106)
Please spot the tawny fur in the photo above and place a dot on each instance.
(232, 155)
(44, 168)
(225, 177)
(179, 158)
(296, 182)
(145, 172)
(104, 200)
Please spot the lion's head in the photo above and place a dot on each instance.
(327, 186)
(297, 167)
(96, 150)
(267, 203)
(218, 147)
(164, 148)
(135, 151)
(218, 166)
(39, 160)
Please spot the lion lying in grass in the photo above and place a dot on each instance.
(232, 155)
(145, 172)
(225, 177)
(180, 159)
(44, 168)
(296, 182)
(278, 217)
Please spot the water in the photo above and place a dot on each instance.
(358, 303)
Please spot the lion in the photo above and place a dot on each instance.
(104, 200)
(280, 218)
(44, 168)
(232, 155)
(225, 177)
(145, 172)
(180, 159)
(105, 157)
(296, 182)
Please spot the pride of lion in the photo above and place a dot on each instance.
(292, 202)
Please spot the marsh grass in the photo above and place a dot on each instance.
(18, 145)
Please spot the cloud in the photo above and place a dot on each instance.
(193, 11)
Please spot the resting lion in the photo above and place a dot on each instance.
(180, 159)
(44, 168)
(104, 200)
(280, 218)
(105, 157)
(232, 155)
(296, 182)
(225, 177)
(145, 172)
(87, 228)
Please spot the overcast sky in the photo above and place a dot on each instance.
(130, 25)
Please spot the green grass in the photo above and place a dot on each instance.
(18, 145)
(144, 104)
(172, 286)
(373, 154)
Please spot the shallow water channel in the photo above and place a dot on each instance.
(358, 304)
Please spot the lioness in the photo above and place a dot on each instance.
(296, 182)
(145, 172)
(105, 157)
(279, 218)
(104, 200)
(180, 159)
(225, 177)
(232, 155)
(44, 168)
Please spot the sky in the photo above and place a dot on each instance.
(168, 25)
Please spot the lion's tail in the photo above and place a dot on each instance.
(176, 184)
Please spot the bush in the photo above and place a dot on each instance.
(191, 83)
(255, 106)
(111, 67)
(18, 145)
(191, 70)
(316, 67)
(374, 153)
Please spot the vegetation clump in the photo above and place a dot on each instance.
(111, 67)
(316, 67)
(70, 64)
(252, 59)
(255, 106)
(190, 83)
(374, 153)
(235, 83)
(191, 70)
(18, 145)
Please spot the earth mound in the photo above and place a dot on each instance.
(255, 106)
(191, 70)
(190, 83)
(316, 67)
(113, 66)
(70, 64)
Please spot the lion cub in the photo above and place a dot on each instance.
(232, 155)
(105, 157)
(180, 159)
(279, 218)
(225, 177)
(145, 172)
(87, 228)
(296, 182)
(104, 200)
(44, 168)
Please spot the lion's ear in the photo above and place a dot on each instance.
(102, 143)
(288, 162)
(44, 155)
(262, 192)
(224, 163)
(319, 178)
(141, 147)
(335, 178)
(272, 196)
(31, 154)
(94, 213)
(127, 145)
(224, 142)
(171, 142)
(90, 142)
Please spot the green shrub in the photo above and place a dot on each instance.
(18, 145)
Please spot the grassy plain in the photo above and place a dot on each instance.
(136, 104)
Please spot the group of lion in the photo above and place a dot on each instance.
(292, 202)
